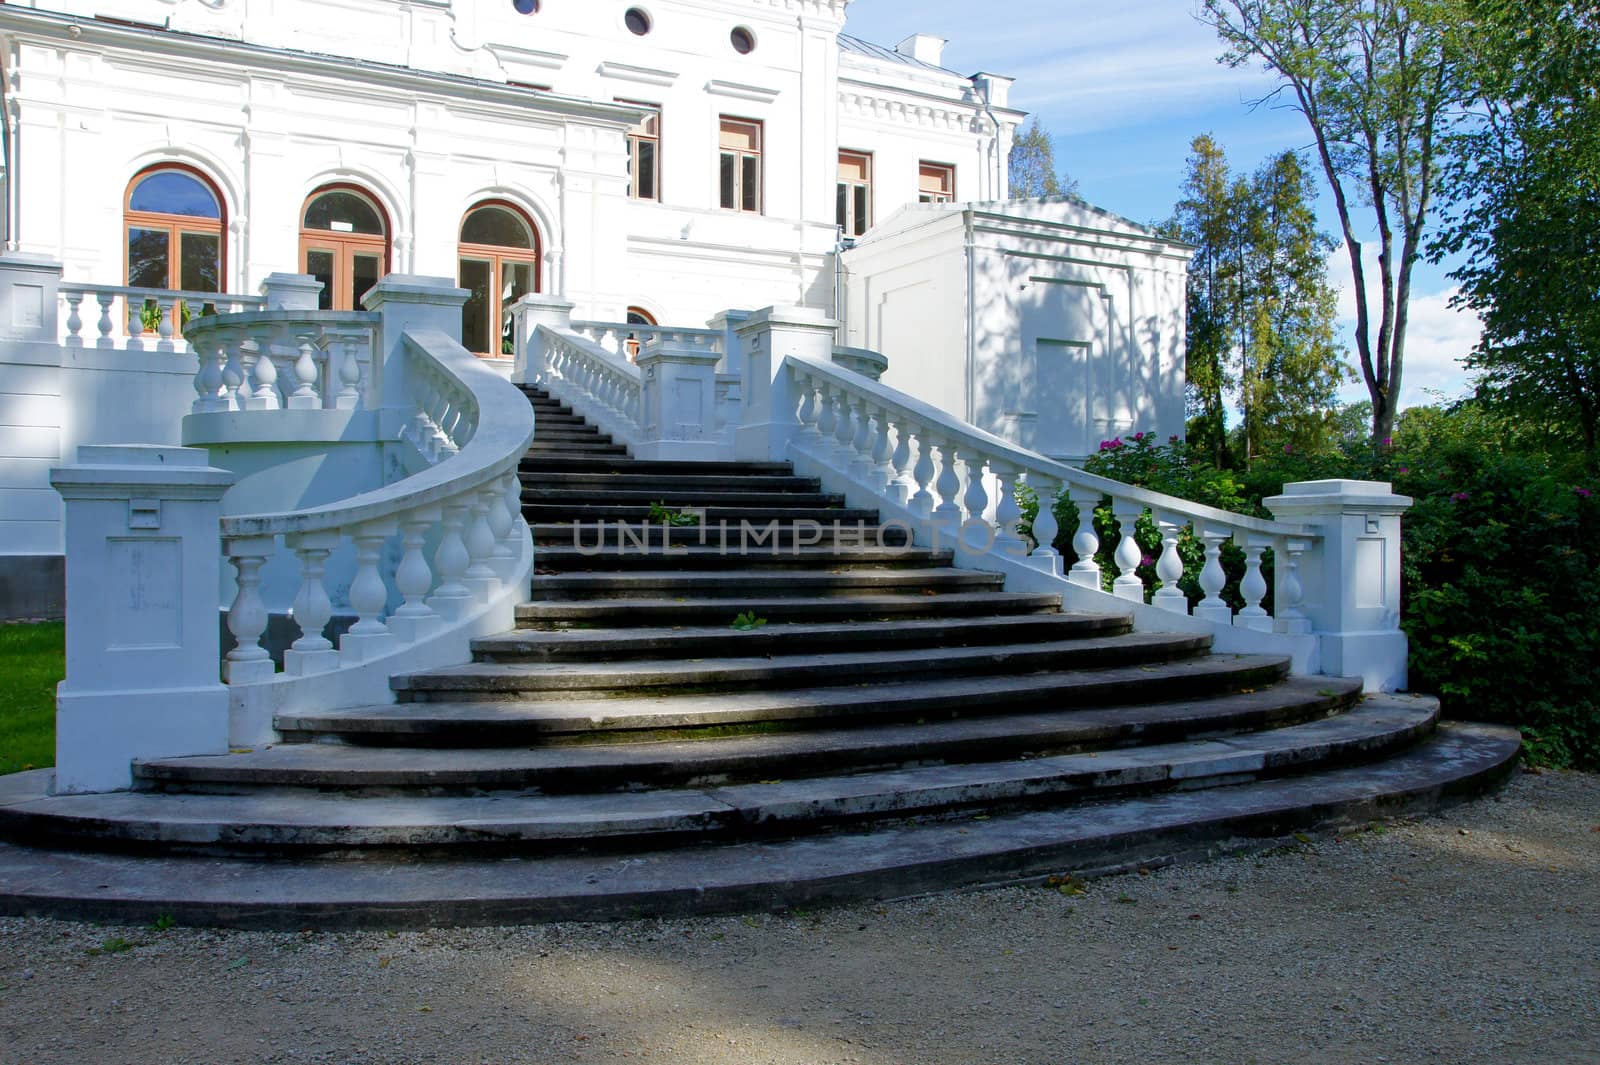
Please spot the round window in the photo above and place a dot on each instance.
(744, 42)
(526, 7)
(637, 21)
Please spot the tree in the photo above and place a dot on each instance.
(1373, 79)
(1033, 165)
(1261, 312)
(1523, 177)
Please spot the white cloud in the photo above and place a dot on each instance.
(1437, 334)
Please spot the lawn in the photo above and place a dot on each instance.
(33, 660)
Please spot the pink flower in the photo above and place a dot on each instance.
(1583, 492)
(1460, 497)
(1137, 437)
(1288, 449)
(1387, 441)
(1405, 469)
(1173, 439)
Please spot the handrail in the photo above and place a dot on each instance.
(644, 335)
(1027, 460)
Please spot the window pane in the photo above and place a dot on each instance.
(496, 226)
(343, 212)
(174, 192)
(647, 170)
(730, 185)
(200, 267)
(365, 272)
(842, 208)
(148, 258)
(319, 264)
(516, 281)
(476, 276)
(752, 184)
(861, 209)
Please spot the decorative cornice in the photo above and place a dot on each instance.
(924, 114)
(740, 91)
(643, 75)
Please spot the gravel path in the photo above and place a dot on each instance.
(1470, 937)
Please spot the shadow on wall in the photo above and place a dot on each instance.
(33, 587)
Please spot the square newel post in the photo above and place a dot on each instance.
(767, 338)
(408, 301)
(1350, 580)
(727, 323)
(529, 313)
(143, 632)
(291, 292)
(680, 402)
(30, 291)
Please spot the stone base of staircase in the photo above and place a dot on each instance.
(887, 861)
(837, 716)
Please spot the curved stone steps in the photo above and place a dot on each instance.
(623, 477)
(843, 534)
(618, 613)
(533, 646)
(284, 821)
(499, 680)
(753, 757)
(651, 584)
(488, 723)
(879, 862)
(583, 464)
(539, 513)
(724, 497)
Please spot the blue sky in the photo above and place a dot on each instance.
(1125, 87)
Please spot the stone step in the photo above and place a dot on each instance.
(283, 821)
(617, 613)
(702, 584)
(567, 534)
(614, 554)
(852, 865)
(526, 645)
(716, 517)
(631, 480)
(541, 448)
(579, 464)
(558, 680)
(754, 757)
(653, 716)
(729, 496)
(560, 436)
(555, 416)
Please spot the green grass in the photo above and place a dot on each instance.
(33, 659)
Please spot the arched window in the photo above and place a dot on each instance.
(499, 264)
(637, 316)
(344, 243)
(173, 223)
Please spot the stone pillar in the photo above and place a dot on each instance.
(1351, 578)
(408, 301)
(291, 292)
(727, 323)
(143, 631)
(680, 404)
(29, 298)
(767, 338)
(530, 312)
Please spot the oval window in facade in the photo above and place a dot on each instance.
(637, 20)
(744, 42)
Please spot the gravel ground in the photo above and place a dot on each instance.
(1469, 937)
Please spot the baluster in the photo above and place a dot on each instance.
(369, 637)
(1288, 591)
(414, 619)
(248, 662)
(74, 300)
(844, 432)
(861, 443)
(134, 307)
(1129, 554)
(1253, 588)
(882, 471)
(480, 576)
(502, 556)
(208, 378)
(900, 482)
(810, 411)
(511, 490)
(167, 326)
(452, 599)
(1170, 567)
(312, 652)
(304, 366)
(344, 364)
(265, 373)
(105, 325)
(1045, 527)
(923, 473)
(1007, 513)
(827, 420)
(1085, 571)
(233, 376)
(1213, 579)
(948, 512)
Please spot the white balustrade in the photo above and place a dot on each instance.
(140, 330)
